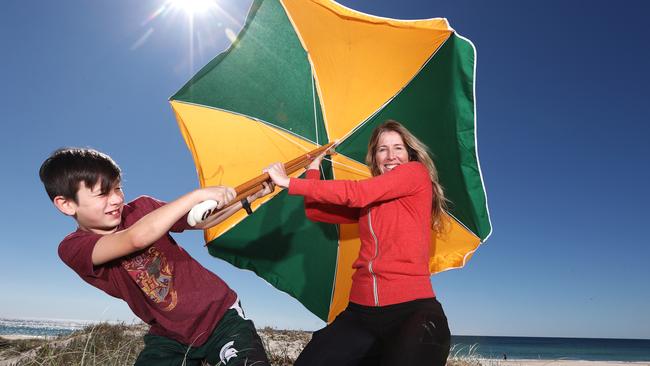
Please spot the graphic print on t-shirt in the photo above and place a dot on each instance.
(154, 275)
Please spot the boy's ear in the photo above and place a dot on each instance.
(65, 205)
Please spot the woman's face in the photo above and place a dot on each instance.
(391, 151)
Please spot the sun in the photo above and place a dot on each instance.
(192, 7)
(207, 22)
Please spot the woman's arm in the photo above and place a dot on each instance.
(323, 212)
(405, 180)
(316, 211)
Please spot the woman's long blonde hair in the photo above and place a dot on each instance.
(417, 151)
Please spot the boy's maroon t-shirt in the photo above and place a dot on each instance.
(162, 284)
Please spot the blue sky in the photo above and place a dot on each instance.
(562, 130)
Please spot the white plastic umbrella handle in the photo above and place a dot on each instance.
(201, 211)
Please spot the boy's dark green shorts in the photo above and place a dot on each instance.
(234, 342)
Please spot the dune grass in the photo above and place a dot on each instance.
(99, 344)
(464, 356)
(119, 344)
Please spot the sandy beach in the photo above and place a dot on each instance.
(516, 362)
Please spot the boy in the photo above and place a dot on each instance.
(126, 251)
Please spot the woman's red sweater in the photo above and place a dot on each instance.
(393, 211)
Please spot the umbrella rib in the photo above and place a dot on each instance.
(314, 75)
(291, 141)
(313, 97)
(362, 172)
(252, 118)
(277, 132)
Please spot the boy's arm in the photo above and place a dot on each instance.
(154, 225)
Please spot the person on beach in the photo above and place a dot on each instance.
(125, 250)
(393, 317)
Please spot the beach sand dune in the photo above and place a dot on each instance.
(104, 344)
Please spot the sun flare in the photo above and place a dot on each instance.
(192, 7)
(207, 23)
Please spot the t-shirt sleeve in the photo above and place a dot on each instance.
(153, 204)
(76, 252)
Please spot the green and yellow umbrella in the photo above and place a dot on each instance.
(303, 73)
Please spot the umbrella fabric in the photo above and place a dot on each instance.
(300, 74)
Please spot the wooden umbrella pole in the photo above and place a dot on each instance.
(304, 160)
(244, 190)
(255, 185)
(203, 210)
(248, 188)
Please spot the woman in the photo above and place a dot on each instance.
(393, 317)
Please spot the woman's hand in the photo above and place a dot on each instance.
(278, 175)
(315, 164)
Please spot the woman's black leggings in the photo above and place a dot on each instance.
(410, 333)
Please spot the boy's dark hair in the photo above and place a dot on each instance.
(62, 172)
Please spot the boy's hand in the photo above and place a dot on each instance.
(214, 198)
(221, 194)
(268, 188)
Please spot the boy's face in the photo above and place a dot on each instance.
(97, 212)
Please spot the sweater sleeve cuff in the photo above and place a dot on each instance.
(313, 174)
(297, 186)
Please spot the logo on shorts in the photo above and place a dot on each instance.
(227, 352)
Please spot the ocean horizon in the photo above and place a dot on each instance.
(39, 327)
(551, 348)
(488, 347)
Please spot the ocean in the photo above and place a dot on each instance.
(40, 327)
(546, 348)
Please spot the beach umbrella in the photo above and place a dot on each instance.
(300, 74)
